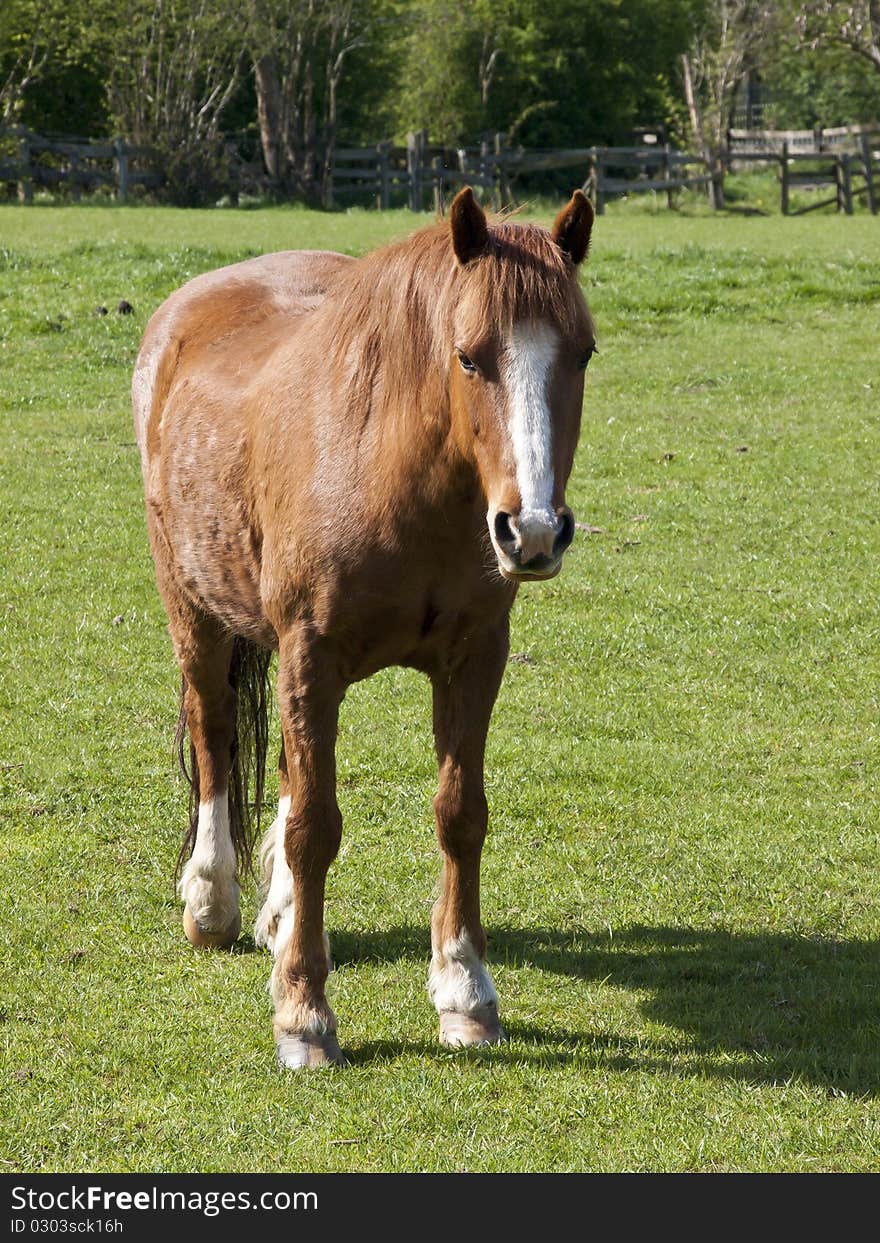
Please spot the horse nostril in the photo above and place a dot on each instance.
(504, 531)
(565, 534)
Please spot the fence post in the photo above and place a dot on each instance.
(414, 171)
(437, 178)
(503, 185)
(25, 182)
(589, 186)
(384, 195)
(716, 185)
(838, 182)
(783, 179)
(121, 169)
(667, 174)
(865, 144)
(234, 183)
(487, 173)
(73, 176)
(600, 190)
(464, 166)
(327, 184)
(422, 158)
(846, 170)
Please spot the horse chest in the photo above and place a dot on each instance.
(423, 630)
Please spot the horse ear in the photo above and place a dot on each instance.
(572, 227)
(468, 222)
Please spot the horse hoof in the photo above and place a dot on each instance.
(298, 1051)
(207, 938)
(481, 1027)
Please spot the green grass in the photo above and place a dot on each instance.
(680, 885)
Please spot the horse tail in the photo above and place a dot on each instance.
(249, 680)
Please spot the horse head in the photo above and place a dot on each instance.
(521, 339)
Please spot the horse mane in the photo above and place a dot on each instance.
(522, 275)
(396, 306)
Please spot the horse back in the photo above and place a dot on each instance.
(244, 307)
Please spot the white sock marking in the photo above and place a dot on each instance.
(275, 919)
(458, 980)
(208, 884)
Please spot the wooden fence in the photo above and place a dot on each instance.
(421, 175)
(30, 160)
(740, 142)
(638, 170)
(845, 159)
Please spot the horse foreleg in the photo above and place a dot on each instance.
(309, 698)
(459, 984)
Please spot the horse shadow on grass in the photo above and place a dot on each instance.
(758, 1006)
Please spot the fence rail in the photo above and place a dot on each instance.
(845, 158)
(30, 160)
(421, 174)
(744, 144)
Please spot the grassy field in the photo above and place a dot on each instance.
(681, 884)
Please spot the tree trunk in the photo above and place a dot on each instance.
(310, 137)
(269, 113)
(715, 188)
(691, 98)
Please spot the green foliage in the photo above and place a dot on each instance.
(446, 77)
(179, 74)
(368, 94)
(680, 883)
(36, 37)
(68, 99)
(826, 87)
(566, 73)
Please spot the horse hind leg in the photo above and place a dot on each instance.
(274, 922)
(275, 918)
(208, 884)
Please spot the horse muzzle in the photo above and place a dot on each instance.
(530, 546)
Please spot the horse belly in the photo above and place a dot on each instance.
(218, 563)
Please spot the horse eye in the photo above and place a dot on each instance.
(582, 363)
(466, 363)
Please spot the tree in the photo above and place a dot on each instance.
(173, 68)
(816, 82)
(453, 56)
(300, 51)
(722, 53)
(33, 35)
(853, 26)
(547, 72)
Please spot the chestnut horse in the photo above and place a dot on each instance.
(355, 462)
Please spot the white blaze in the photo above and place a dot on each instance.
(528, 366)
